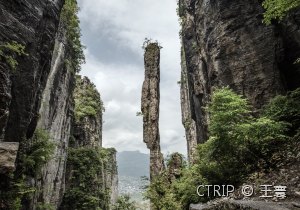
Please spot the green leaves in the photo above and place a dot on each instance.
(9, 51)
(239, 144)
(71, 22)
(87, 190)
(87, 101)
(38, 152)
(278, 9)
(124, 203)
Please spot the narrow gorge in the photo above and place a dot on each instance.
(227, 138)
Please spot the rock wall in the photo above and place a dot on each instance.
(25, 78)
(36, 93)
(32, 24)
(225, 43)
(91, 169)
(88, 124)
(150, 107)
(55, 117)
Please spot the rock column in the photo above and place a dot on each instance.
(150, 107)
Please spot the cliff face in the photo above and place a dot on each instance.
(92, 176)
(225, 43)
(27, 37)
(150, 107)
(37, 113)
(55, 117)
(33, 24)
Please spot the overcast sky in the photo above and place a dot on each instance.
(113, 32)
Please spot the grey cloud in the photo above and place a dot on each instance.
(113, 32)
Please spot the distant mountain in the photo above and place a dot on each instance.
(133, 163)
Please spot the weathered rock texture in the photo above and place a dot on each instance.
(95, 173)
(56, 113)
(34, 25)
(187, 120)
(38, 94)
(244, 205)
(225, 43)
(8, 155)
(150, 107)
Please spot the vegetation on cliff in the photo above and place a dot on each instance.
(35, 153)
(71, 22)
(124, 203)
(9, 51)
(87, 100)
(88, 168)
(278, 9)
(240, 143)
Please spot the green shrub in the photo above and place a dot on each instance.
(71, 21)
(160, 194)
(124, 203)
(9, 51)
(87, 101)
(238, 142)
(45, 206)
(87, 190)
(34, 154)
(238, 145)
(278, 9)
(37, 152)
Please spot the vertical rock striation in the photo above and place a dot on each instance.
(150, 107)
(32, 24)
(37, 108)
(92, 176)
(186, 115)
(56, 118)
(24, 79)
(225, 43)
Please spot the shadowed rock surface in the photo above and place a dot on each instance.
(34, 25)
(225, 43)
(56, 118)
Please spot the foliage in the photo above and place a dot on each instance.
(35, 153)
(285, 108)
(150, 44)
(238, 142)
(87, 190)
(87, 101)
(238, 145)
(44, 206)
(124, 203)
(138, 114)
(71, 22)
(38, 151)
(160, 193)
(278, 9)
(9, 51)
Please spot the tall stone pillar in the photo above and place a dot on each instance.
(150, 107)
